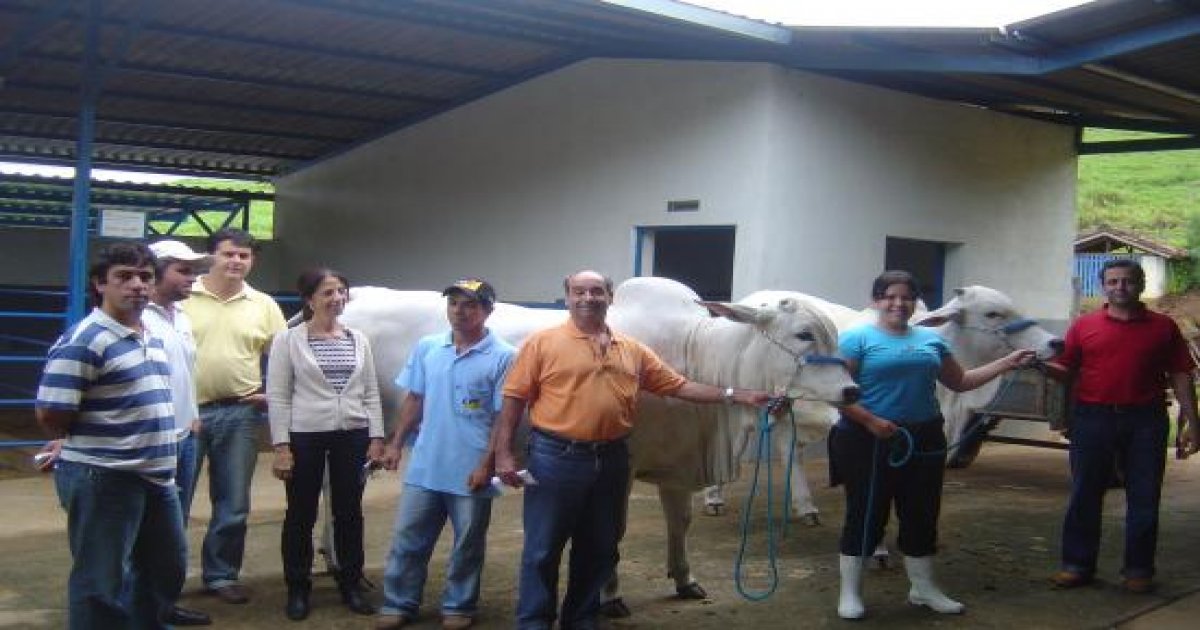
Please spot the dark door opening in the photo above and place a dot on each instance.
(924, 259)
(698, 256)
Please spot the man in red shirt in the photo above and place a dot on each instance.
(1121, 358)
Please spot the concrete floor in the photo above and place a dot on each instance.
(999, 535)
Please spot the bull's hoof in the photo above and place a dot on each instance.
(714, 509)
(960, 461)
(692, 590)
(615, 609)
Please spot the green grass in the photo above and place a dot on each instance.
(262, 213)
(1152, 194)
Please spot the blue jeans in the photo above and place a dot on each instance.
(185, 475)
(580, 496)
(229, 439)
(419, 521)
(1135, 439)
(120, 527)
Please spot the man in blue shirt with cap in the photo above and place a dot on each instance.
(454, 382)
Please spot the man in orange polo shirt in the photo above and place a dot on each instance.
(580, 382)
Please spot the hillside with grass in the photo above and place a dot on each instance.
(1156, 195)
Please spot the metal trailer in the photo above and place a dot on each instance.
(1027, 395)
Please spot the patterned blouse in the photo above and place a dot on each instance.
(335, 357)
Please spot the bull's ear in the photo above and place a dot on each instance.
(950, 312)
(735, 312)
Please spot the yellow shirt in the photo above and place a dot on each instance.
(574, 392)
(231, 337)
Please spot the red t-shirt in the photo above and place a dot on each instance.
(1124, 362)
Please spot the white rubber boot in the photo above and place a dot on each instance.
(924, 592)
(850, 604)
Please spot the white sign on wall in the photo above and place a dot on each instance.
(122, 223)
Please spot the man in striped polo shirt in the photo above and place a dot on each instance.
(106, 392)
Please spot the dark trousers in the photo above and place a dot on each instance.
(580, 496)
(872, 485)
(346, 452)
(1135, 439)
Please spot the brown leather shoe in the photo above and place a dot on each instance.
(456, 622)
(1139, 585)
(231, 593)
(1070, 579)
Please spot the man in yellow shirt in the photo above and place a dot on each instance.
(580, 381)
(233, 324)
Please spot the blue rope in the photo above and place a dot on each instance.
(762, 453)
(899, 454)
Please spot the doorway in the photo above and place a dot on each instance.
(698, 256)
(924, 259)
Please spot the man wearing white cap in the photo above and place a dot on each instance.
(176, 267)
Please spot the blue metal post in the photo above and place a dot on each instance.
(81, 193)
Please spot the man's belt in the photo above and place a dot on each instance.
(225, 402)
(1122, 409)
(579, 446)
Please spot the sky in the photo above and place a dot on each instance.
(890, 12)
(987, 13)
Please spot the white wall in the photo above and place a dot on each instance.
(1156, 275)
(852, 165)
(41, 257)
(552, 175)
(537, 181)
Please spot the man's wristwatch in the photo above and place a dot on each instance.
(728, 395)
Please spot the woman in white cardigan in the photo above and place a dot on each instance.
(323, 404)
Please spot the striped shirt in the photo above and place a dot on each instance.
(118, 382)
(335, 357)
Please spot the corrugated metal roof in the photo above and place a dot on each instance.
(256, 88)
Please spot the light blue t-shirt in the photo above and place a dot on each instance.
(897, 373)
(461, 396)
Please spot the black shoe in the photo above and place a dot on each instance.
(180, 616)
(297, 603)
(356, 601)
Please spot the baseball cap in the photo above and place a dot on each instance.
(176, 250)
(476, 288)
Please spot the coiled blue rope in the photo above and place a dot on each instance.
(899, 454)
(763, 453)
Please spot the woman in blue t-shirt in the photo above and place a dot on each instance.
(898, 367)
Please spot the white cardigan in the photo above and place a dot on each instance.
(299, 398)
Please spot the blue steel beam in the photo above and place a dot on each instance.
(991, 62)
(90, 93)
(1138, 146)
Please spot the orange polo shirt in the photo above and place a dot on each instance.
(575, 392)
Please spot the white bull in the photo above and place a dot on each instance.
(680, 447)
(979, 324)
